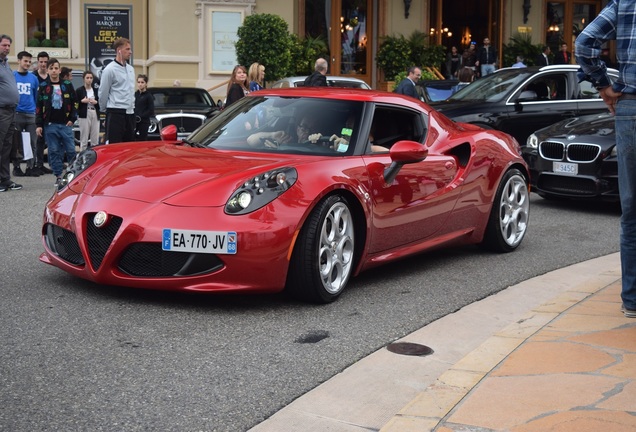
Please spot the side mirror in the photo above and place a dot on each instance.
(527, 95)
(169, 133)
(402, 153)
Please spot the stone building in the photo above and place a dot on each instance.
(192, 40)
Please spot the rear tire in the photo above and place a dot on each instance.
(323, 256)
(508, 219)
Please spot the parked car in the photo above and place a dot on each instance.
(245, 205)
(436, 90)
(521, 100)
(185, 107)
(575, 158)
(332, 81)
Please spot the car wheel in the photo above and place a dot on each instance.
(508, 219)
(323, 256)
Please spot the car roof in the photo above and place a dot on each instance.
(330, 78)
(344, 93)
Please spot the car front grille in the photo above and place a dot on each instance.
(569, 185)
(149, 260)
(583, 152)
(63, 243)
(580, 153)
(183, 124)
(99, 239)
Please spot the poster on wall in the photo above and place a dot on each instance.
(103, 26)
(224, 36)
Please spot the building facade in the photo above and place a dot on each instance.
(192, 40)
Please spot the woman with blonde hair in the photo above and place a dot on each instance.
(256, 76)
(238, 85)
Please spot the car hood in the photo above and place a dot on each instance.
(206, 111)
(176, 175)
(457, 108)
(595, 125)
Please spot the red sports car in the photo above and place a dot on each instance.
(295, 189)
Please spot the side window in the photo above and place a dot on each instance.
(546, 87)
(587, 91)
(391, 125)
(47, 23)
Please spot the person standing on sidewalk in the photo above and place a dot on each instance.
(487, 58)
(117, 94)
(42, 74)
(9, 98)
(617, 21)
(144, 107)
(55, 116)
(318, 78)
(88, 112)
(25, 112)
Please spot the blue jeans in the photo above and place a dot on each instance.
(59, 139)
(487, 69)
(626, 148)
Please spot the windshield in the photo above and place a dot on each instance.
(492, 88)
(284, 125)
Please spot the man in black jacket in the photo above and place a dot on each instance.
(318, 78)
(543, 59)
(407, 85)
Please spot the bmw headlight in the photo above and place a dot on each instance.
(82, 161)
(260, 191)
(533, 141)
(614, 153)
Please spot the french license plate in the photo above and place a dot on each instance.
(565, 168)
(218, 242)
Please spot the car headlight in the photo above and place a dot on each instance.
(82, 161)
(260, 191)
(532, 141)
(613, 153)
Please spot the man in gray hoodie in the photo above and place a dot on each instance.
(9, 98)
(117, 95)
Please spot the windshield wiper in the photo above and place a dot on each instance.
(193, 144)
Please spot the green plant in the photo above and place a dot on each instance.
(520, 44)
(394, 56)
(33, 42)
(264, 38)
(47, 43)
(61, 43)
(304, 53)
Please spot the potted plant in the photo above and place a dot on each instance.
(393, 57)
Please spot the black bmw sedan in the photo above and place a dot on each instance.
(574, 158)
(521, 100)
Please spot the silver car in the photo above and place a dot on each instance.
(332, 81)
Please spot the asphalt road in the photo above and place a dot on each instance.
(76, 356)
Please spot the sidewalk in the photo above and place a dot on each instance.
(554, 353)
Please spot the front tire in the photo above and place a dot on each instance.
(508, 219)
(323, 256)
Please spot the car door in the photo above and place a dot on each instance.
(590, 101)
(544, 99)
(415, 205)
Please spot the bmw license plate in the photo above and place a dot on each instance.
(565, 168)
(218, 242)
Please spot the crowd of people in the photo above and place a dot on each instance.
(38, 109)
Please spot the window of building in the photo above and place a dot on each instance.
(565, 19)
(47, 23)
